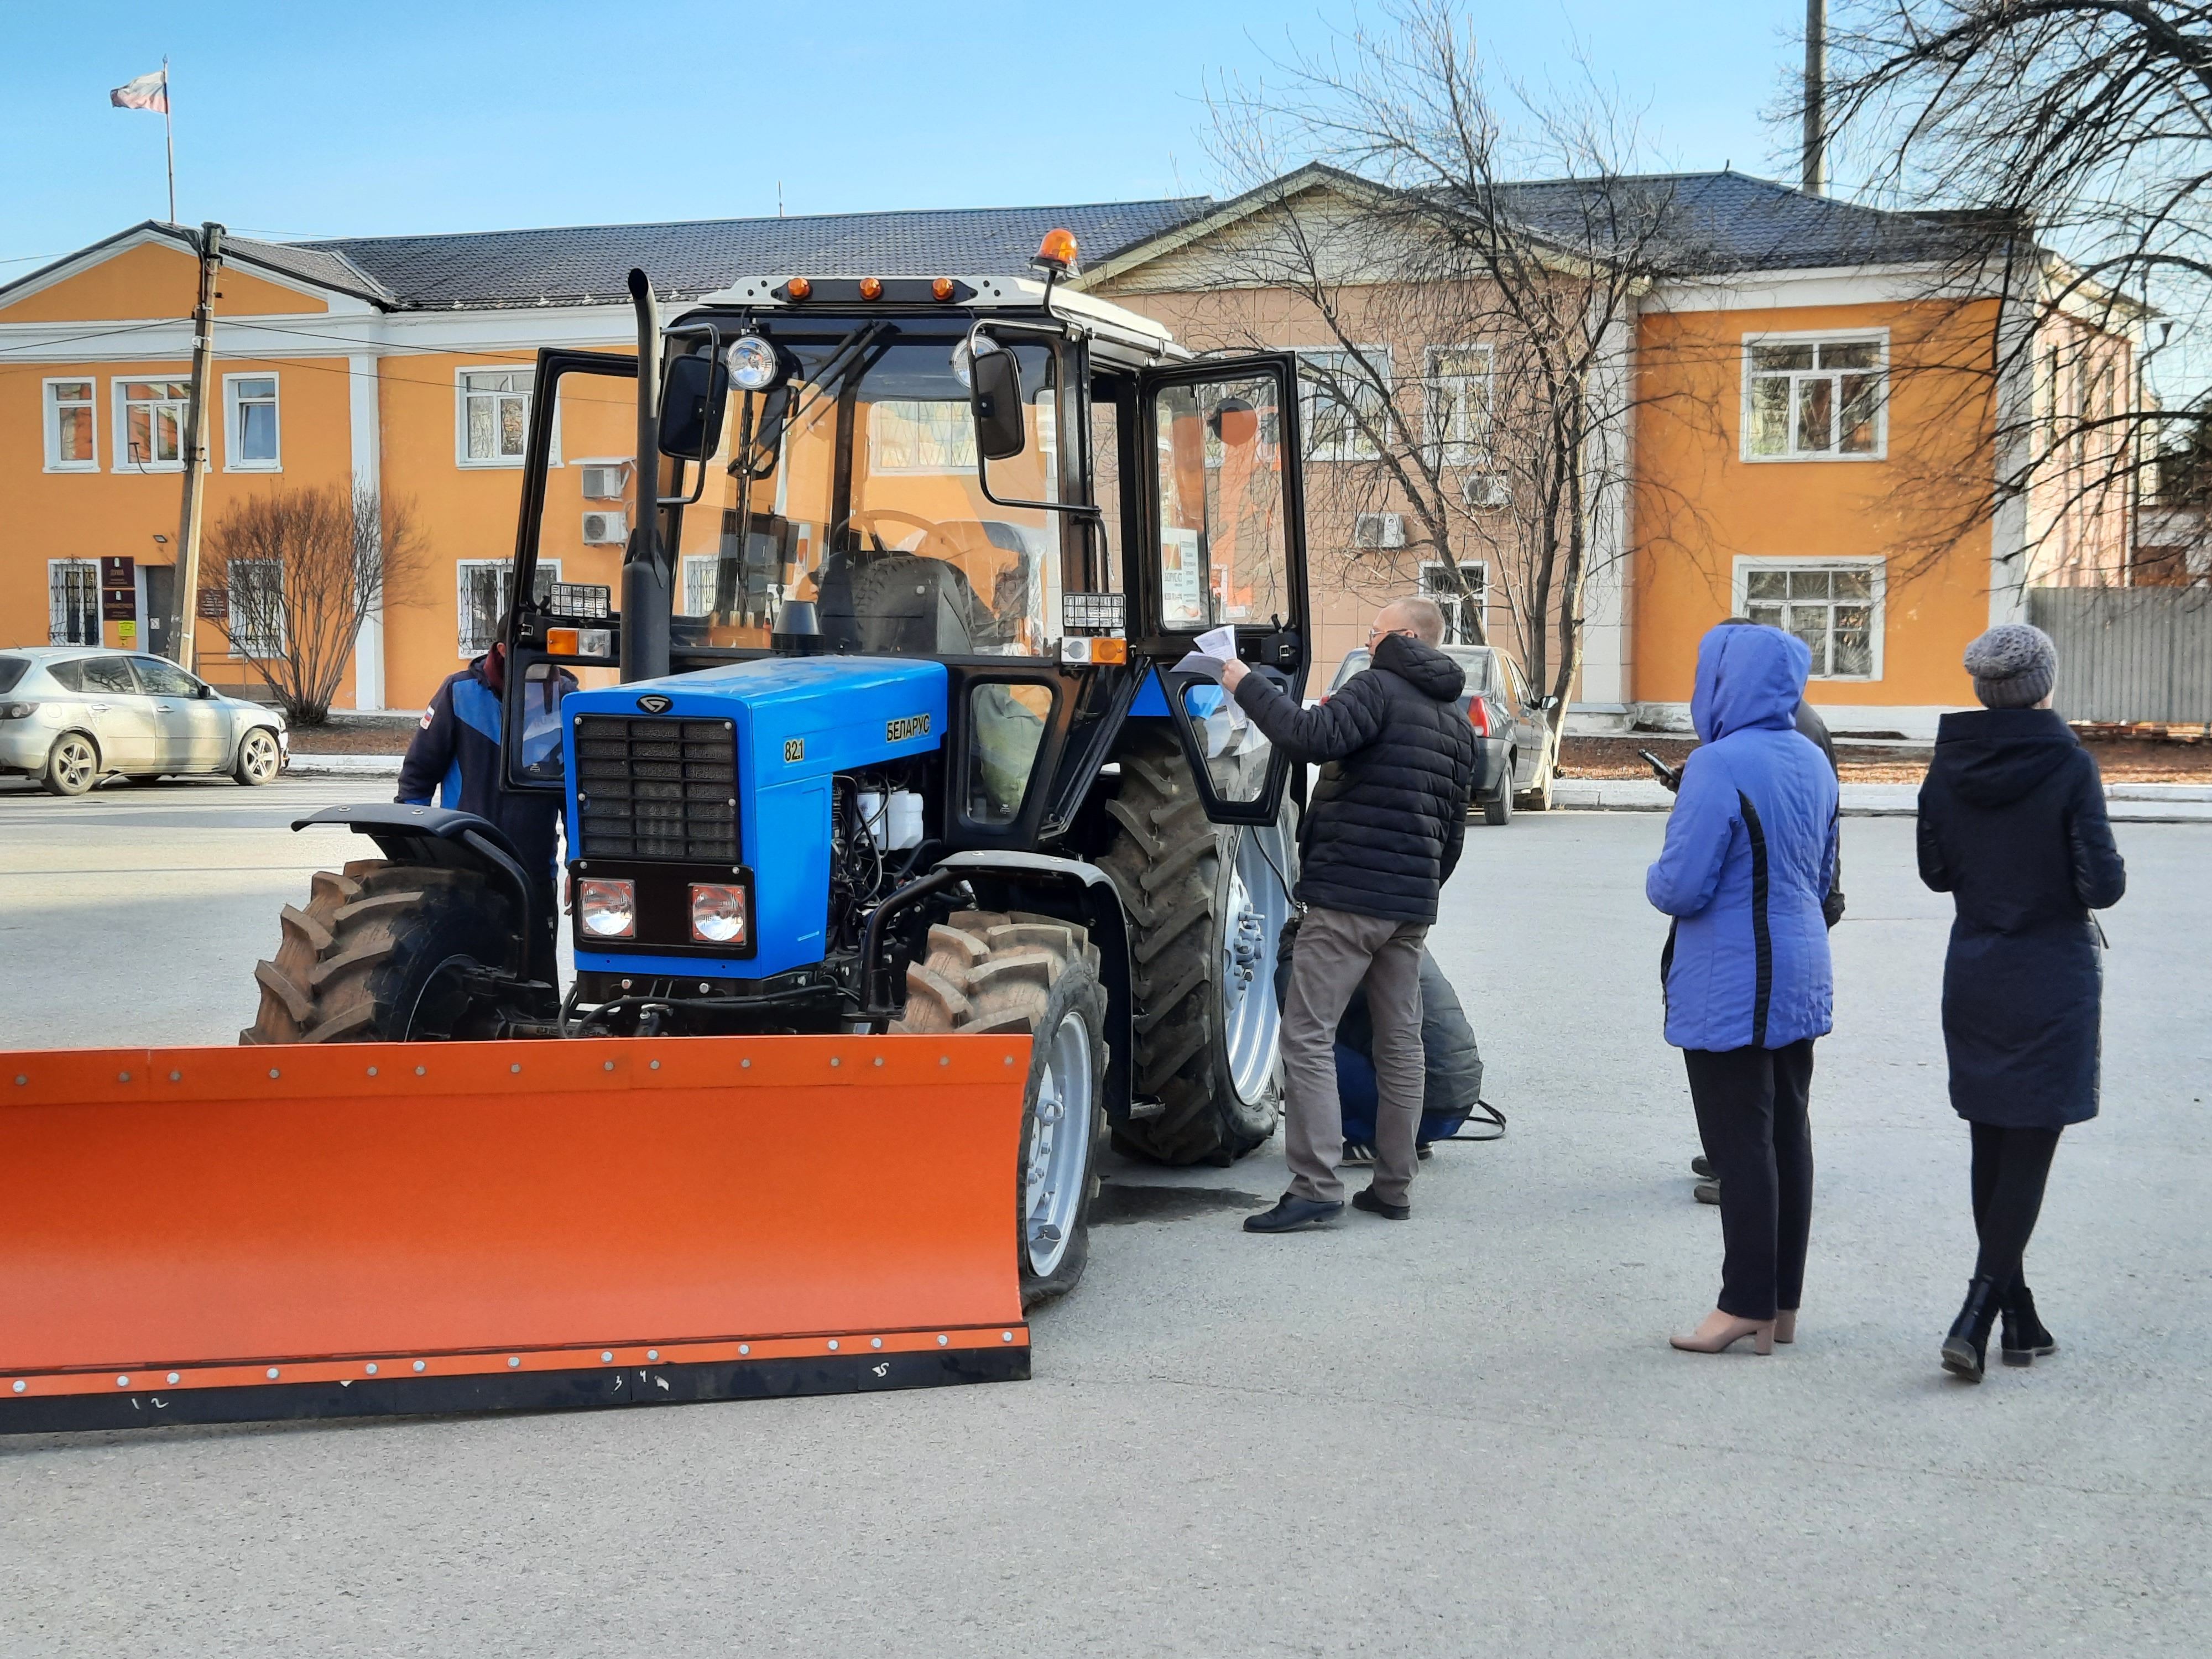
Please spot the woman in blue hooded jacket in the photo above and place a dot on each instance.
(1751, 846)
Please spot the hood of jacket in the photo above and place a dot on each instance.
(1748, 676)
(1426, 669)
(1993, 757)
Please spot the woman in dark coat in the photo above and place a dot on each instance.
(2012, 827)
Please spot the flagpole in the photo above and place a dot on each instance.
(169, 131)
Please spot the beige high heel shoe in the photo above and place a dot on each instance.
(1785, 1325)
(1722, 1330)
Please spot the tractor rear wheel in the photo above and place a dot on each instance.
(379, 954)
(1008, 971)
(1206, 904)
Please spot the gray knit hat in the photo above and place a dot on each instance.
(2012, 665)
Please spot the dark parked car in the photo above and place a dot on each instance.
(1513, 755)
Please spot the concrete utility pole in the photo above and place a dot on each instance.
(183, 604)
(1814, 180)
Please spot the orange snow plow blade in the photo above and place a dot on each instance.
(224, 1235)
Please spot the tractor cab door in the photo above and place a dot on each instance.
(570, 541)
(1221, 544)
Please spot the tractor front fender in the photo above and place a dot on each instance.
(1081, 893)
(441, 837)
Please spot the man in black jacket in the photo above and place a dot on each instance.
(456, 752)
(1382, 835)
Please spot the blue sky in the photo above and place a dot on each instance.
(302, 120)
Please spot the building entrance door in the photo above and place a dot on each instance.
(160, 583)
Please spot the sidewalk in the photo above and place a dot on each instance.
(2130, 802)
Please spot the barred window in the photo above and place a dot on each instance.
(485, 587)
(72, 601)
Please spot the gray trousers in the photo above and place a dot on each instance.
(1336, 952)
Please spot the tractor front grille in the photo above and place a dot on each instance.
(665, 789)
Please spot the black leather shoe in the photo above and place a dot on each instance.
(1293, 1214)
(1702, 1166)
(2025, 1339)
(1707, 1192)
(1965, 1349)
(1364, 1198)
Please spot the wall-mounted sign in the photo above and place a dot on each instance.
(118, 572)
(214, 604)
(119, 605)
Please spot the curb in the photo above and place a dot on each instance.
(332, 766)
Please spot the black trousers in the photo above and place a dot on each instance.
(2010, 1169)
(1752, 1114)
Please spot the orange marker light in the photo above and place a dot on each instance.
(1057, 250)
(798, 287)
(872, 287)
(942, 287)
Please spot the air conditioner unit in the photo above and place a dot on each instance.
(606, 529)
(1378, 530)
(1485, 492)
(604, 480)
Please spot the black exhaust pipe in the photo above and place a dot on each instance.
(647, 599)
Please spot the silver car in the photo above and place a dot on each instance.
(71, 716)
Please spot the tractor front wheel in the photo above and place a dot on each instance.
(1007, 971)
(380, 955)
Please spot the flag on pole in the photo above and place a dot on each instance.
(147, 92)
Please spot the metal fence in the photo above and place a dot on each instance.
(2130, 654)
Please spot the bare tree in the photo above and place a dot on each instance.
(2071, 143)
(1503, 454)
(303, 569)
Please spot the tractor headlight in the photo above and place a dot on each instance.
(607, 910)
(964, 355)
(718, 914)
(754, 363)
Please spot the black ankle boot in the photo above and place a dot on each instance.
(2025, 1339)
(1966, 1349)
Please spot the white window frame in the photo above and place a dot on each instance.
(51, 407)
(1817, 336)
(528, 372)
(231, 404)
(267, 648)
(549, 571)
(1452, 604)
(959, 425)
(90, 568)
(1877, 601)
(1310, 395)
(122, 402)
(1462, 448)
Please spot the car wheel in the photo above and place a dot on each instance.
(1499, 809)
(72, 765)
(258, 761)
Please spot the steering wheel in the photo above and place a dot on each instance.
(865, 520)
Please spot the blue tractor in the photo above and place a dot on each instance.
(883, 730)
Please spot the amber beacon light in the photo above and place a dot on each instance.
(1058, 250)
(872, 287)
(798, 287)
(942, 287)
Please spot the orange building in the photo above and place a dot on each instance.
(1811, 438)
(1809, 434)
(399, 365)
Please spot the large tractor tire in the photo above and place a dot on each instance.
(378, 954)
(1207, 906)
(993, 971)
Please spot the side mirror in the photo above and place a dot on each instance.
(995, 395)
(693, 394)
(1545, 703)
(203, 690)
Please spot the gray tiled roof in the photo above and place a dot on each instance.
(1728, 220)
(564, 266)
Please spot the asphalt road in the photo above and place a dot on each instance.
(1462, 1436)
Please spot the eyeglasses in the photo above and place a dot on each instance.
(1375, 633)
